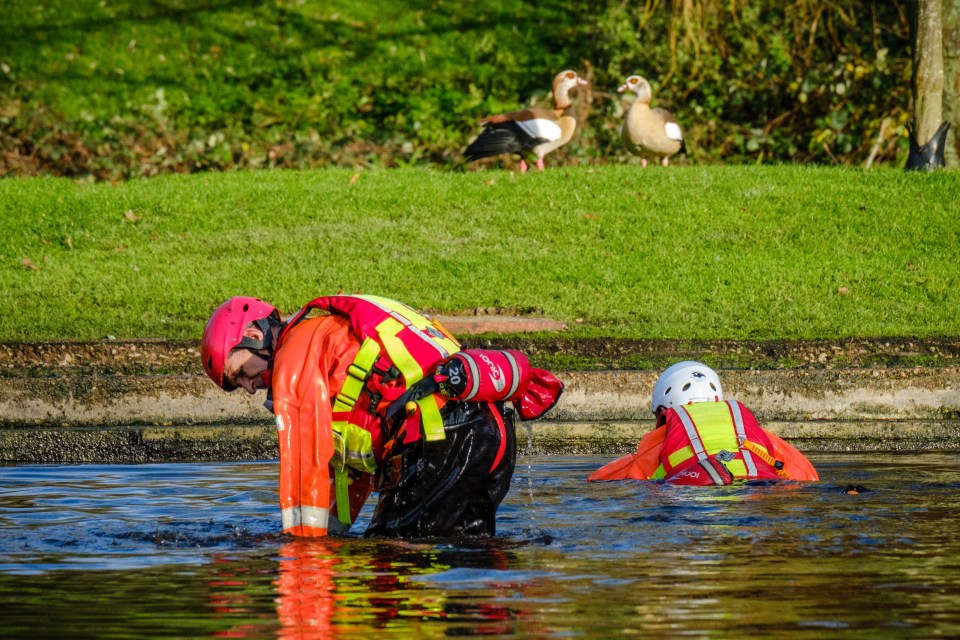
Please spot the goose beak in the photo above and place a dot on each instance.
(621, 88)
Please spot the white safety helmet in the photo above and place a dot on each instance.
(684, 383)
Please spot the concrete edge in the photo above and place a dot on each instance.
(125, 418)
(143, 444)
(837, 394)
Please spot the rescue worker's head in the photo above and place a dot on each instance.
(685, 383)
(237, 344)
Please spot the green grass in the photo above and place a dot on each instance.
(683, 252)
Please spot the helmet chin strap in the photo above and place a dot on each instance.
(266, 326)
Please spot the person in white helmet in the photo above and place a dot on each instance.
(702, 439)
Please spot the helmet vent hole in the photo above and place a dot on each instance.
(713, 386)
(686, 386)
(246, 308)
(210, 363)
(667, 391)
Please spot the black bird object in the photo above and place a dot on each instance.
(929, 156)
(855, 489)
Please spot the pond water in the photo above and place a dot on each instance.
(192, 550)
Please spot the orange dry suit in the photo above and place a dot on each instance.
(334, 379)
(709, 443)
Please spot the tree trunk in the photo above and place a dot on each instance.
(951, 88)
(928, 70)
(927, 129)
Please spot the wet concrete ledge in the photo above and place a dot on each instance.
(120, 418)
(143, 401)
(182, 443)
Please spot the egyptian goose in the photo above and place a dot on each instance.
(532, 130)
(648, 132)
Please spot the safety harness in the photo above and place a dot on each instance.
(399, 346)
(721, 452)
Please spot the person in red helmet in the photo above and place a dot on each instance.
(371, 394)
(701, 439)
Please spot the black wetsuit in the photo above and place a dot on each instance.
(448, 487)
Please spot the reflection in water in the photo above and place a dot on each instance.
(192, 550)
(334, 584)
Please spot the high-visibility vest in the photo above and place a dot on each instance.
(725, 431)
(396, 341)
(392, 335)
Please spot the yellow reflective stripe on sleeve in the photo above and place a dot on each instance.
(397, 351)
(431, 419)
(357, 374)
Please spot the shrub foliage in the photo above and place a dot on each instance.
(110, 90)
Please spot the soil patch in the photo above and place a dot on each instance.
(159, 357)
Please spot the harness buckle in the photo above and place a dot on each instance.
(346, 400)
(389, 375)
(357, 372)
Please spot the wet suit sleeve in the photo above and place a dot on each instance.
(311, 362)
(640, 465)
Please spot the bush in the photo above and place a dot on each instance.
(123, 89)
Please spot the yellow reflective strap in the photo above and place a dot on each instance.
(679, 456)
(764, 455)
(357, 374)
(397, 351)
(431, 419)
(419, 321)
(342, 481)
(759, 451)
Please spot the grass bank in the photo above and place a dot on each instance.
(683, 252)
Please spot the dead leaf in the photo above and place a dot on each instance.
(130, 215)
(843, 291)
(910, 267)
(27, 263)
(591, 216)
(69, 242)
(490, 182)
(354, 178)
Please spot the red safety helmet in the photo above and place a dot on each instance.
(224, 331)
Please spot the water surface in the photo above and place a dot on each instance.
(193, 550)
